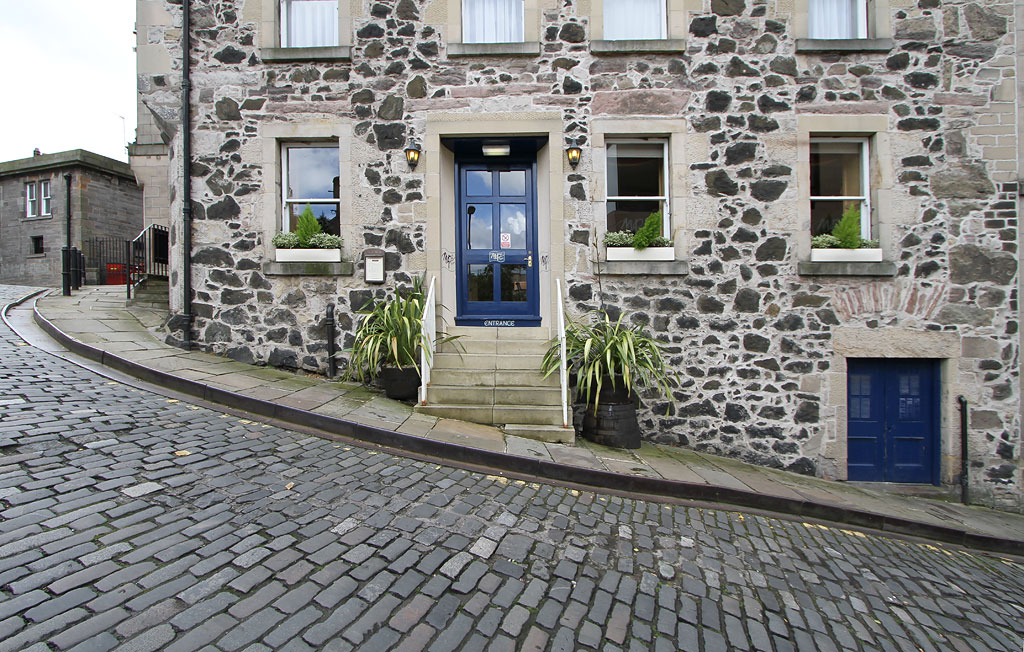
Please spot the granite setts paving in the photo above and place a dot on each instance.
(135, 522)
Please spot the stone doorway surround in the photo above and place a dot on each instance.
(438, 165)
(891, 342)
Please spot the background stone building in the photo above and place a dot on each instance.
(749, 124)
(105, 201)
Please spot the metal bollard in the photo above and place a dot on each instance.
(81, 267)
(332, 364)
(127, 268)
(75, 277)
(65, 271)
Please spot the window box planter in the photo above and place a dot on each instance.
(650, 254)
(308, 255)
(864, 255)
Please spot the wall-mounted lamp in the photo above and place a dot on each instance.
(495, 148)
(573, 154)
(412, 156)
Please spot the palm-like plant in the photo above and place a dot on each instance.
(390, 334)
(600, 352)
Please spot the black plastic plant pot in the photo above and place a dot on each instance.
(400, 384)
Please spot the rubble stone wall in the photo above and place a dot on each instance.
(758, 346)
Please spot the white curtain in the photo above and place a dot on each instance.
(310, 23)
(492, 21)
(834, 19)
(634, 19)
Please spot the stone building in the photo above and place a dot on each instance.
(750, 125)
(105, 201)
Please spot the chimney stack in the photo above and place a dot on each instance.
(36, 152)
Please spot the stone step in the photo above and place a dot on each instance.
(495, 415)
(466, 345)
(501, 395)
(456, 361)
(484, 333)
(549, 434)
(491, 378)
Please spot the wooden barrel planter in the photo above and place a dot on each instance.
(612, 425)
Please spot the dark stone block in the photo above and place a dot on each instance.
(737, 68)
(227, 109)
(225, 209)
(806, 412)
(230, 54)
(719, 183)
(767, 104)
(767, 190)
(717, 101)
(417, 87)
(761, 124)
(283, 358)
(728, 7)
(572, 33)
(372, 30)
(706, 304)
(703, 26)
(389, 136)
(774, 248)
(922, 80)
(756, 343)
(918, 124)
(703, 125)
(392, 108)
(740, 152)
(570, 86)
(213, 257)
(747, 300)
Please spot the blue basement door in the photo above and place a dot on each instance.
(893, 425)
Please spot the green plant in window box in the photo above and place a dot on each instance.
(649, 235)
(846, 234)
(308, 234)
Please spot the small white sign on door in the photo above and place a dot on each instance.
(506, 240)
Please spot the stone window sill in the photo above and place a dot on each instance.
(521, 49)
(308, 269)
(636, 268)
(285, 55)
(36, 218)
(840, 45)
(637, 46)
(884, 268)
(43, 255)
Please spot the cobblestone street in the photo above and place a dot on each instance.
(135, 522)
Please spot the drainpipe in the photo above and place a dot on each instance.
(65, 253)
(964, 491)
(186, 163)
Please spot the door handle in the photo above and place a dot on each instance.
(529, 260)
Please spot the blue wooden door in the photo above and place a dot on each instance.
(496, 254)
(893, 425)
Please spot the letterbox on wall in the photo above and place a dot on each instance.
(373, 265)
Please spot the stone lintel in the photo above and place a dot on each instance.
(638, 268)
(884, 268)
(135, 149)
(283, 55)
(652, 46)
(841, 45)
(522, 49)
(858, 342)
(271, 268)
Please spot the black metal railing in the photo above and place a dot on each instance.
(147, 255)
(105, 255)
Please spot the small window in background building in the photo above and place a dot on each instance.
(309, 23)
(492, 21)
(837, 19)
(839, 179)
(37, 244)
(634, 19)
(31, 203)
(637, 173)
(310, 178)
(44, 194)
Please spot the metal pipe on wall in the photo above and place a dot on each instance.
(65, 252)
(964, 461)
(186, 163)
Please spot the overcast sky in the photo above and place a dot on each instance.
(68, 71)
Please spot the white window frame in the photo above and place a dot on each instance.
(861, 27)
(44, 195)
(31, 201)
(865, 179)
(662, 21)
(664, 198)
(522, 25)
(285, 201)
(283, 20)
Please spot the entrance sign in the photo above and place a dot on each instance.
(496, 257)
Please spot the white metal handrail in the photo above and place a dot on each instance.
(562, 374)
(429, 336)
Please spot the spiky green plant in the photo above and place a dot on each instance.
(306, 227)
(390, 334)
(599, 351)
